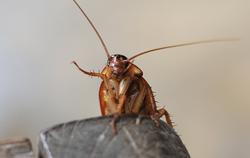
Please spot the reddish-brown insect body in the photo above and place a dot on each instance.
(123, 89)
(126, 91)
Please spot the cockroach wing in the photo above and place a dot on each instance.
(103, 103)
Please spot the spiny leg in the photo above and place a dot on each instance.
(115, 118)
(117, 114)
(102, 76)
(118, 110)
(86, 72)
(167, 116)
(156, 117)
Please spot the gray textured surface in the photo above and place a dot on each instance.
(16, 148)
(93, 138)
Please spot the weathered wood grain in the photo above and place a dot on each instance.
(16, 148)
(93, 138)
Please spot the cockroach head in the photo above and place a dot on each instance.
(118, 63)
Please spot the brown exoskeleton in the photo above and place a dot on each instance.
(123, 89)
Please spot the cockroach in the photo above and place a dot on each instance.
(123, 89)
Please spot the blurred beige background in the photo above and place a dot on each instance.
(205, 87)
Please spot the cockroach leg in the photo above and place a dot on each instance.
(117, 114)
(88, 73)
(164, 112)
(113, 123)
(156, 117)
(138, 119)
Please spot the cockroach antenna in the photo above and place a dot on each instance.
(182, 44)
(94, 28)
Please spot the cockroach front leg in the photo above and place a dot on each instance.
(88, 73)
(94, 74)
